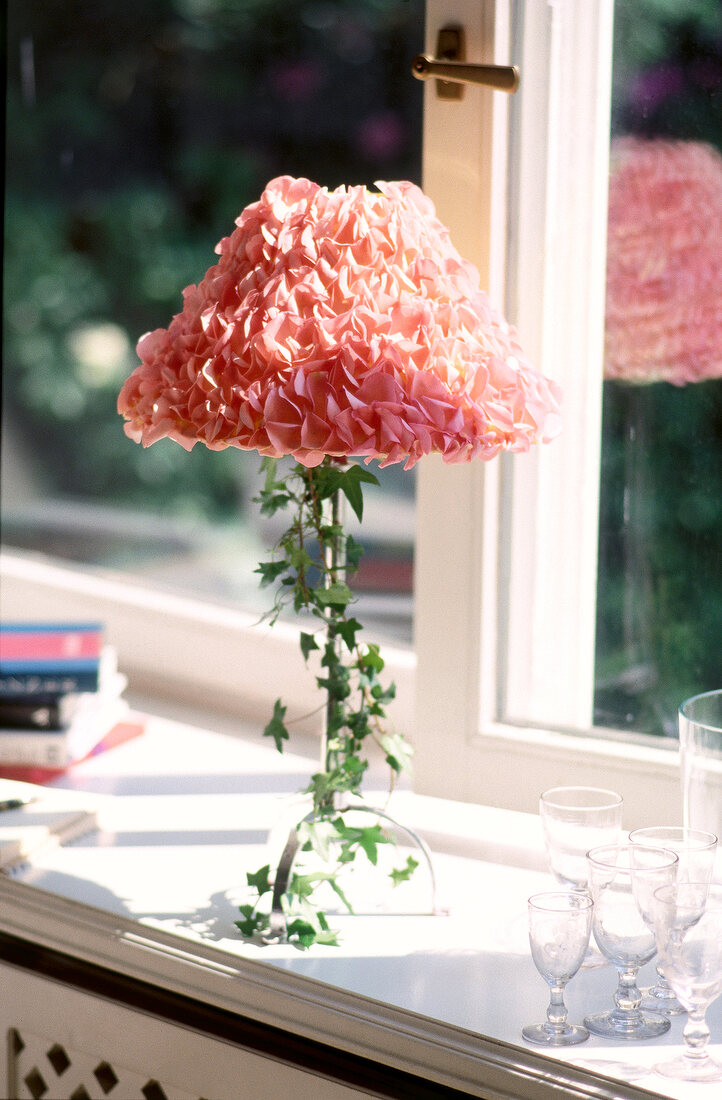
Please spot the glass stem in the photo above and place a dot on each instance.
(696, 1035)
(627, 997)
(557, 1011)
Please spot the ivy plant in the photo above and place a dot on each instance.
(310, 569)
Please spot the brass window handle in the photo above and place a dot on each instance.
(505, 78)
(451, 69)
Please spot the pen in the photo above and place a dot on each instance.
(15, 803)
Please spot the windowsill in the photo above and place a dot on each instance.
(154, 893)
(224, 661)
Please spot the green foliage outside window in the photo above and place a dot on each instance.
(136, 133)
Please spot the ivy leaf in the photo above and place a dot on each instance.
(370, 839)
(308, 644)
(260, 881)
(327, 937)
(317, 836)
(398, 752)
(302, 886)
(302, 931)
(269, 467)
(354, 767)
(367, 838)
(372, 659)
(320, 786)
(270, 571)
(299, 559)
(336, 686)
(354, 553)
(348, 630)
(273, 502)
(330, 531)
(275, 494)
(276, 727)
(249, 926)
(326, 479)
(351, 487)
(382, 695)
(403, 874)
(337, 596)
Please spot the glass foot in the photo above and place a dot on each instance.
(635, 1025)
(664, 1001)
(548, 1036)
(691, 1068)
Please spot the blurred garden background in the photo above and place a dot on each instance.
(136, 133)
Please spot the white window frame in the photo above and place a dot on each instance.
(506, 551)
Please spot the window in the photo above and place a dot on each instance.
(509, 653)
(137, 135)
(507, 555)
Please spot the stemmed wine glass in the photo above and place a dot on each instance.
(622, 879)
(559, 927)
(575, 819)
(688, 928)
(695, 850)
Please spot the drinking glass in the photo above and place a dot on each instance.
(688, 927)
(559, 927)
(700, 749)
(575, 819)
(695, 850)
(622, 880)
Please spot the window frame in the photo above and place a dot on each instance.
(506, 551)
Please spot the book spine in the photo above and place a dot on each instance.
(30, 642)
(39, 714)
(33, 772)
(50, 659)
(49, 750)
(47, 683)
(59, 748)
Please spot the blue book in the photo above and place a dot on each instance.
(49, 659)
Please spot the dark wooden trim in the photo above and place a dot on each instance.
(271, 1042)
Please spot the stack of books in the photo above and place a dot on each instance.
(33, 817)
(61, 698)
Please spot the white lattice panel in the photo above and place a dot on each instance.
(40, 1067)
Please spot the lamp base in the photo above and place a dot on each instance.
(287, 859)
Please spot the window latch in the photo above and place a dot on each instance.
(452, 71)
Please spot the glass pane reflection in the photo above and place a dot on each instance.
(659, 617)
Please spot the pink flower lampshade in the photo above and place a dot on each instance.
(664, 262)
(339, 323)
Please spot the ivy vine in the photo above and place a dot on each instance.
(310, 568)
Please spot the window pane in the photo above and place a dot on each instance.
(136, 134)
(659, 624)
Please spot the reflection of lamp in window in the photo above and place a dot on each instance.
(663, 324)
(337, 325)
(664, 265)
